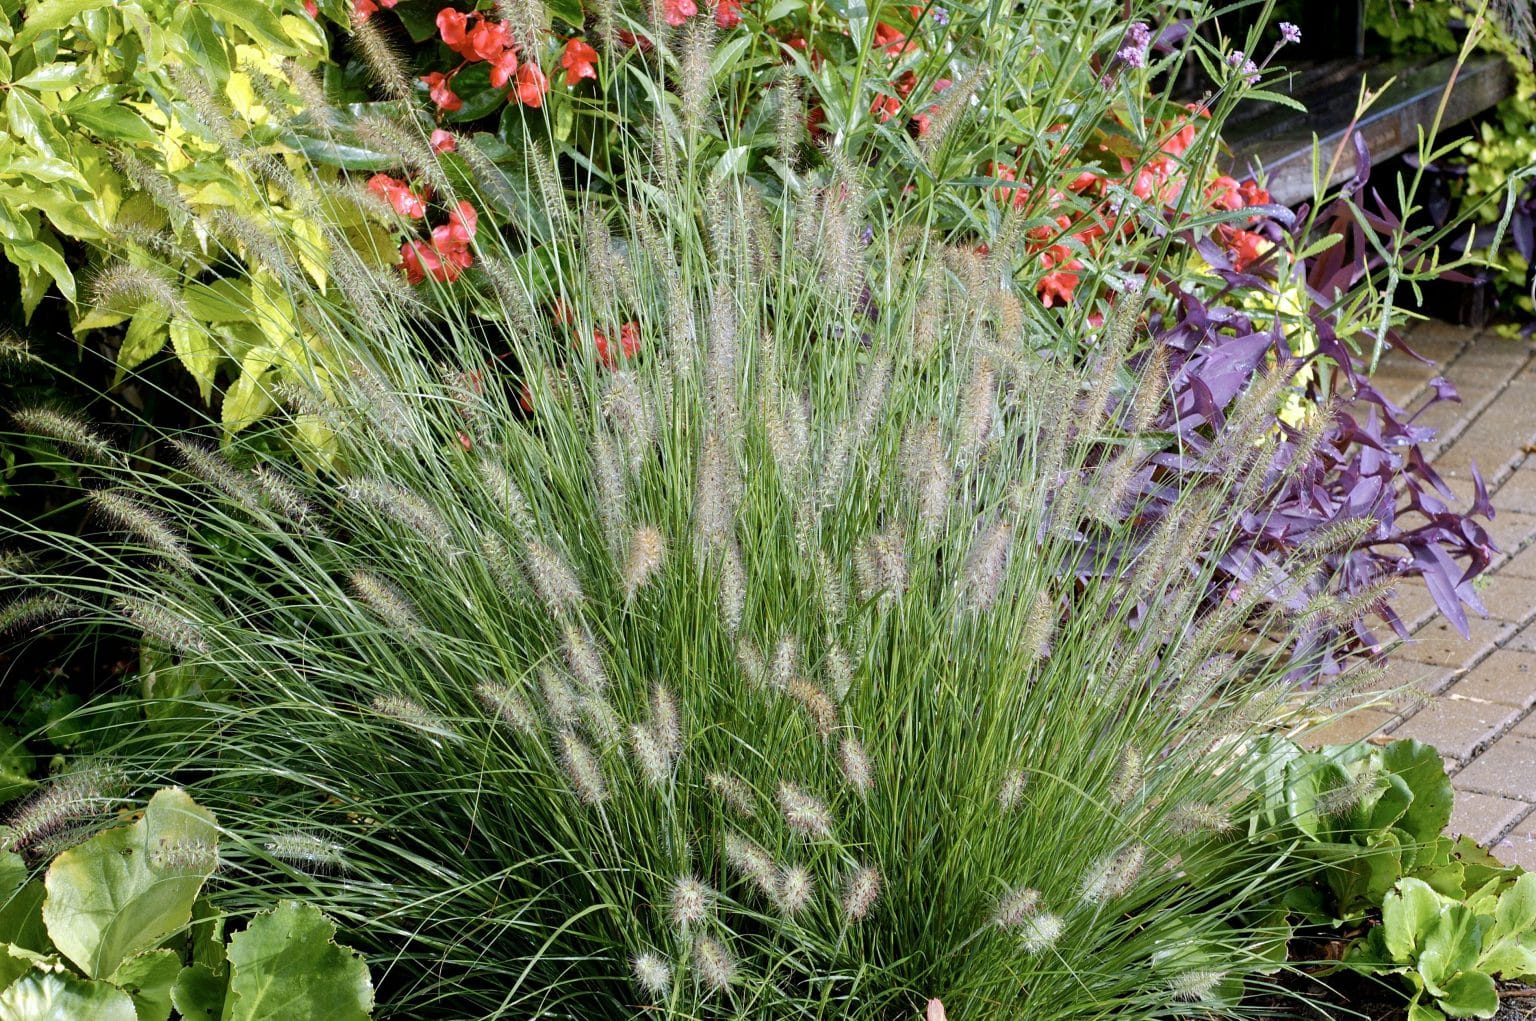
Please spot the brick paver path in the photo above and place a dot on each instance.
(1483, 691)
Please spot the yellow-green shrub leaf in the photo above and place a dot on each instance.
(199, 353)
(52, 14)
(145, 336)
(247, 398)
(256, 19)
(126, 889)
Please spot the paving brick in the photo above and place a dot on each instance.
(1358, 725)
(1497, 438)
(1506, 676)
(1524, 641)
(1458, 727)
(1440, 644)
(1519, 848)
(1437, 341)
(1507, 767)
(1485, 817)
(1521, 565)
(1510, 532)
(1518, 492)
(1508, 596)
(1415, 605)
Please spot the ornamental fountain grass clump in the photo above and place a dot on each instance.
(808, 663)
(796, 624)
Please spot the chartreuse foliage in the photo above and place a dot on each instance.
(102, 142)
(116, 930)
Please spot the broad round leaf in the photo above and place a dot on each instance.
(286, 967)
(125, 890)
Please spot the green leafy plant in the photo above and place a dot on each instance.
(1451, 949)
(123, 907)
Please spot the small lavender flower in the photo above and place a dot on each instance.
(940, 16)
(1137, 39)
(1289, 33)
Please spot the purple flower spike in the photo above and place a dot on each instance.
(940, 16)
(1133, 56)
(1236, 58)
(1289, 32)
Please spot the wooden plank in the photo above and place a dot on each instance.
(1281, 143)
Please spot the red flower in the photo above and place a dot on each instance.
(531, 85)
(728, 13)
(629, 344)
(443, 141)
(1225, 193)
(629, 338)
(629, 39)
(438, 88)
(678, 11)
(362, 10)
(578, 59)
(447, 255)
(562, 312)
(894, 42)
(398, 195)
(1253, 195)
(420, 260)
(1245, 247)
(311, 8)
(885, 107)
(1057, 286)
(451, 25)
(487, 40)
(503, 68)
(464, 441)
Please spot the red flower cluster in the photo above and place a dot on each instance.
(479, 39)
(399, 195)
(579, 61)
(676, 12)
(629, 344)
(447, 254)
(1057, 247)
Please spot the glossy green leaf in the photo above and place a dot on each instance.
(194, 29)
(1516, 912)
(147, 979)
(51, 77)
(1470, 994)
(60, 996)
(126, 889)
(29, 121)
(257, 20)
(1420, 767)
(45, 257)
(286, 966)
(1407, 916)
(50, 15)
(21, 917)
(1451, 947)
(113, 122)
